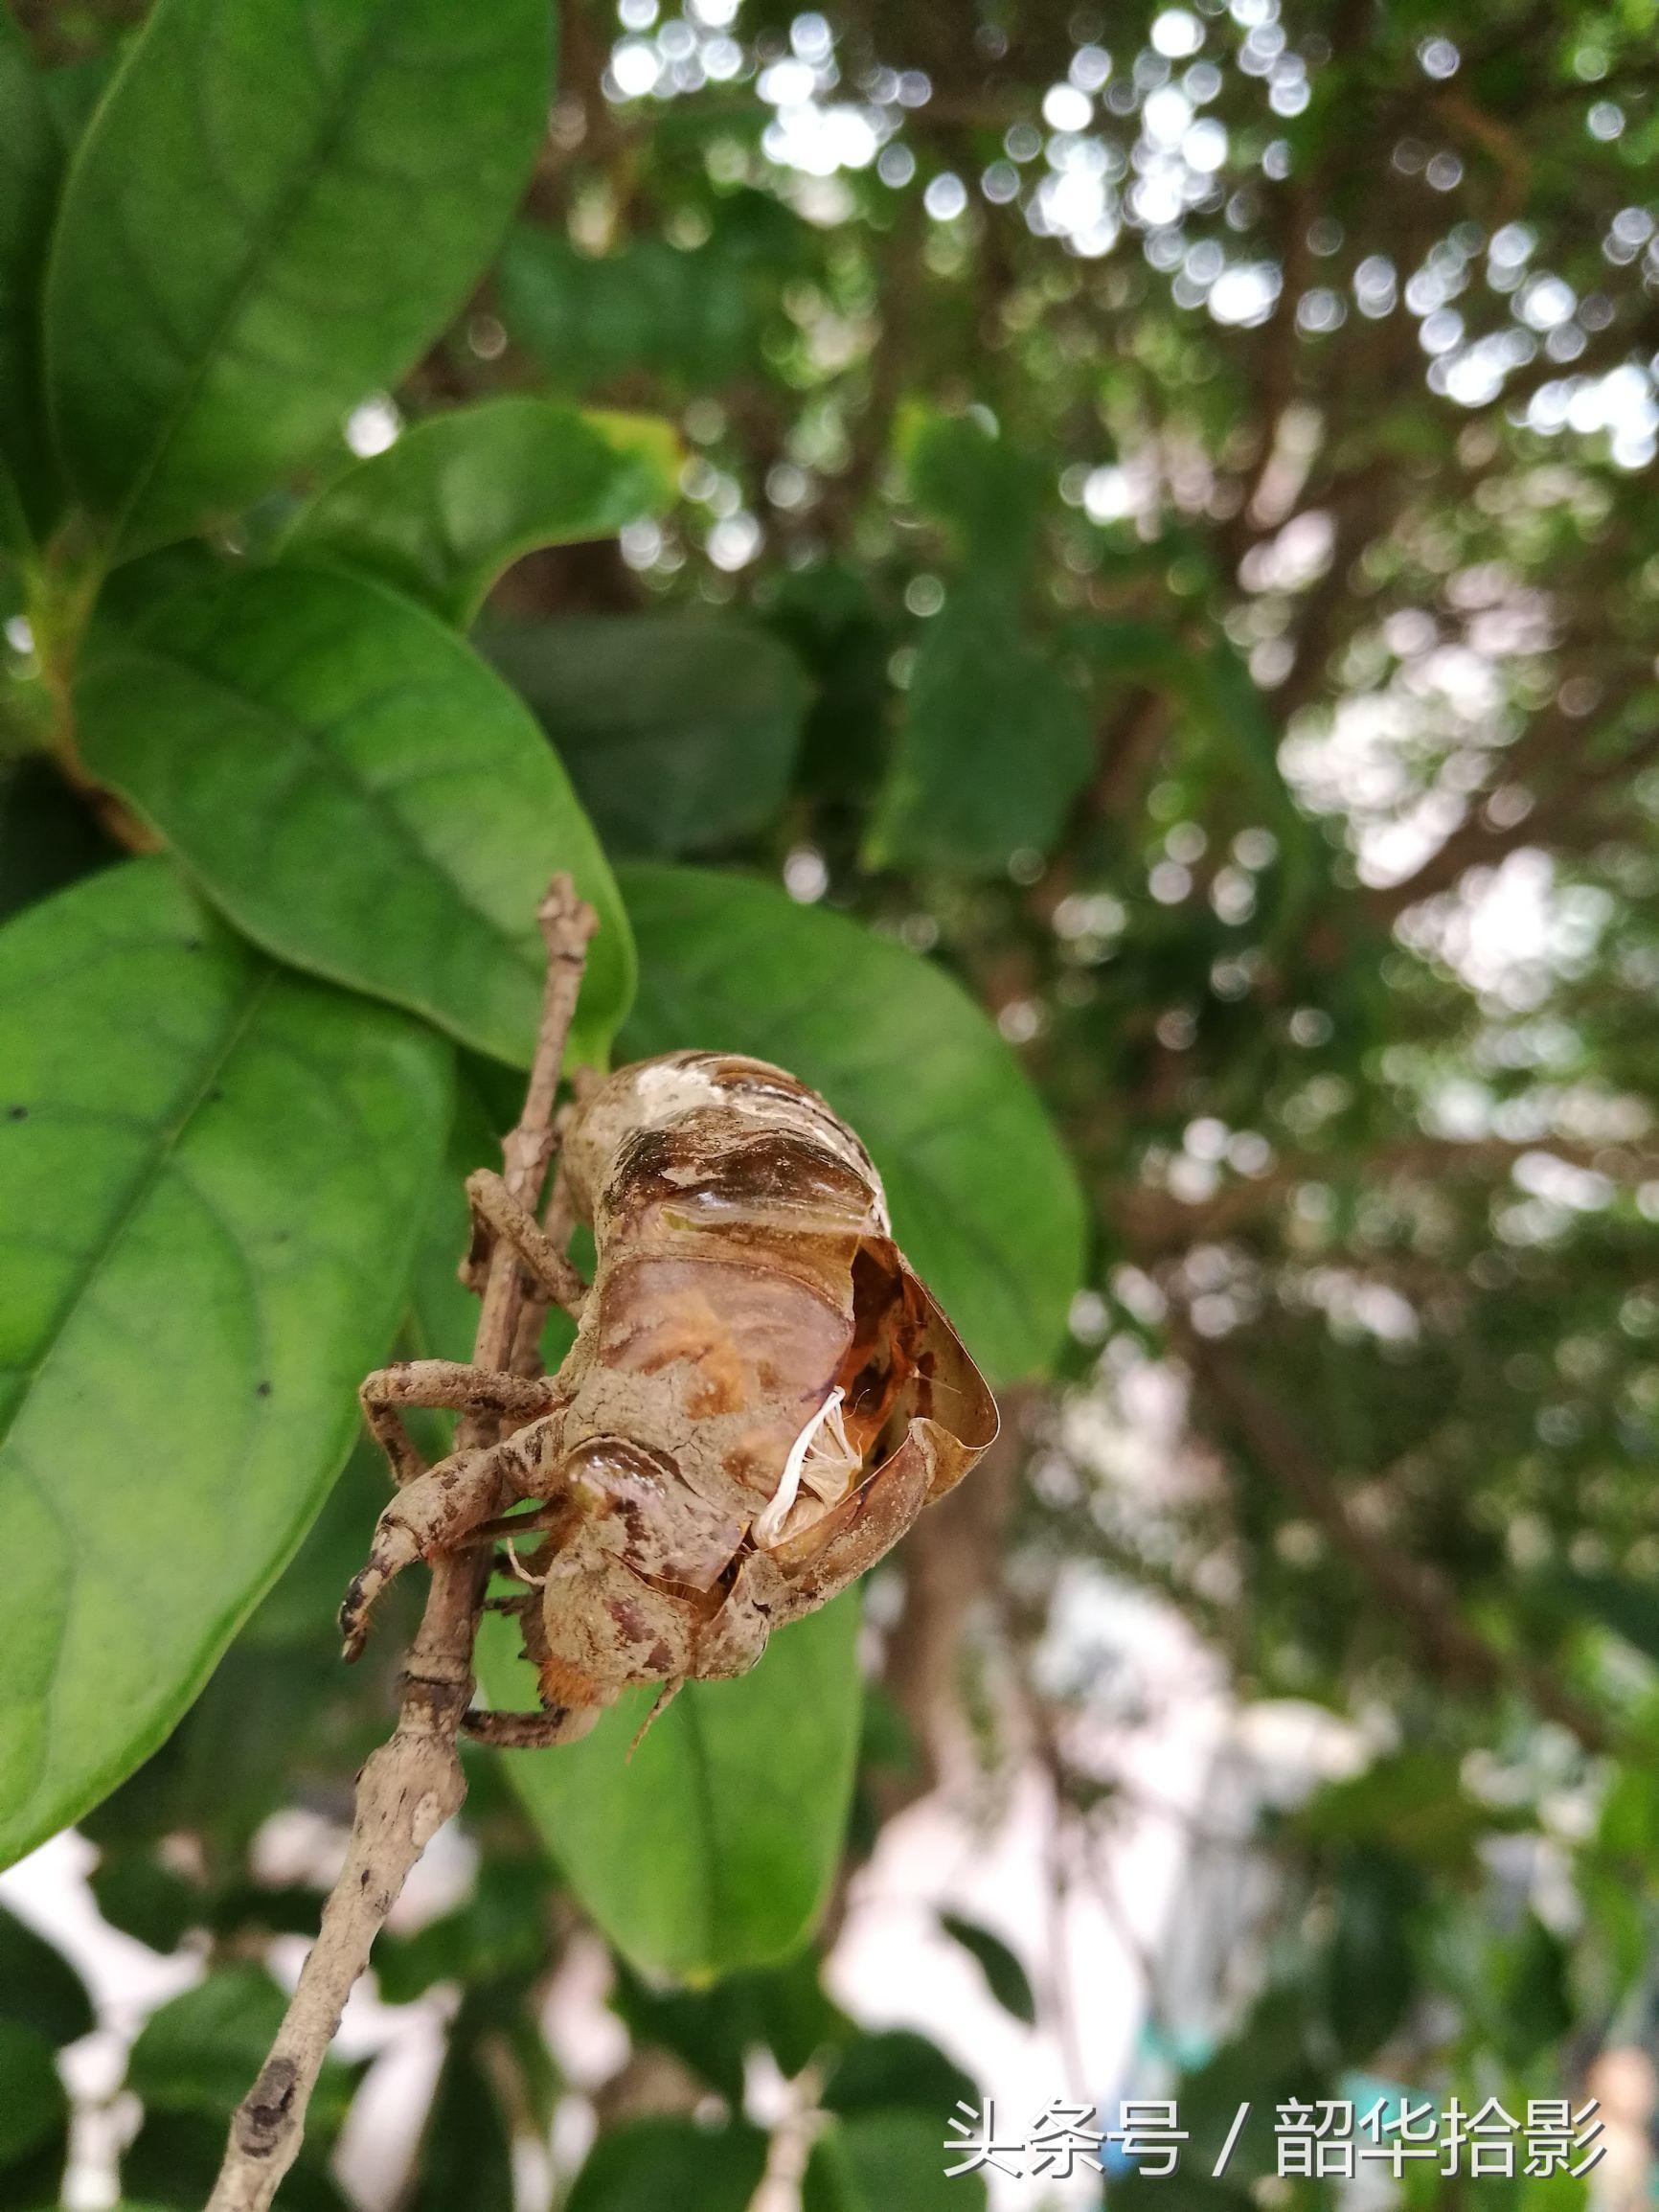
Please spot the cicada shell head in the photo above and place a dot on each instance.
(750, 1097)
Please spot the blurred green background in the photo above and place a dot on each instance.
(1149, 513)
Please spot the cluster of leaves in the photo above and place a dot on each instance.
(1142, 510)
(244, 1076)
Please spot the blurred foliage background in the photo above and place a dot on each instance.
(1147, 510)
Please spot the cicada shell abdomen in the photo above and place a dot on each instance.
(756, 1350)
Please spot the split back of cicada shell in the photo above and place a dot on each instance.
(916, 1408)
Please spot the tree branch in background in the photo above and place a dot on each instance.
(950, 1558)
(1156, 1225)
(1547, 760)
(1413, 1593)
(1276, 371)
(889, 366)
(414, 1784)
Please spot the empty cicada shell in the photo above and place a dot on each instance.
(761, 1399)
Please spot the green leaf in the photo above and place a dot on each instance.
(647, 2165)
(38, 1986)
(1531, 1984)
(499, 1934)
(32, 2105)
(988, 492)
(1138, 2192)
(693, 316)
(48, 835)
(713, 2030)
(31, 163)
(1370, 1971)
(211, 1179)
(1280, 2051)
(358, 792)
(996, 741)
(896, 2070)
(1005, 1976)
(174, 2158)
(286, 1619)
(984, 1200)
(714, 1848)
(702, 2027)
(1628, 1606)
(829, 616)
(465, 2157)
(888, 2162)
(277, 207)
(1413, 1802)
(679, 732)
(461, 495)
(200, 2050)
(1628, 1828)
(144, 1898)
(73, 89)
(996, 745)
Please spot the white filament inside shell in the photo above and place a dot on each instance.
(769, 1524)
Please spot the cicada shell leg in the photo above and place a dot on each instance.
(444, 1506)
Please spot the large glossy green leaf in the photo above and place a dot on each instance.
(995, 746)
(212, 1176)
(277, 206)
(73, 89)
(461, 495)
(31, 160)
(984, 1200)
(714, 1847)
(362, 797)
(678, 732)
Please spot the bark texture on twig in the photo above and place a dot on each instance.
(413, 1783)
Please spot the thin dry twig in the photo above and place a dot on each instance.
(413, 1783)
